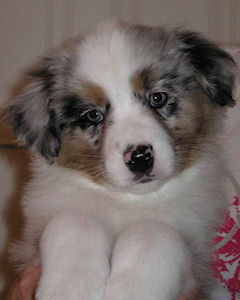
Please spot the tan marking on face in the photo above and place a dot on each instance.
(192, 129)
(79, 154)
(137, 84)
(93, 93)
(143, 80)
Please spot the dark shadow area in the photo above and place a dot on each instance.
(18, 160)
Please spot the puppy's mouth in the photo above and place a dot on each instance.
(142, 184)
(140, 178)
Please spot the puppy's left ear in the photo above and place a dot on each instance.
(214, 69)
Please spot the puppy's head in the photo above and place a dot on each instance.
(127, 105)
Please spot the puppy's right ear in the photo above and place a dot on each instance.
(34, 112)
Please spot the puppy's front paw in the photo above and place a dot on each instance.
(70, 286)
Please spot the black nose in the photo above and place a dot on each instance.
(140, 159)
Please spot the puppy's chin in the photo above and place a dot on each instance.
(145, 186)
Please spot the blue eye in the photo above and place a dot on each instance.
(95, 116)
(158, 100)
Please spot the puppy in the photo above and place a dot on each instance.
(128, 183)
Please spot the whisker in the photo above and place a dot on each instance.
(87, 155)
(93, 170)
(79, 159)
(98, 174)
(86, 162)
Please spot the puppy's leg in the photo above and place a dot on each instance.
(150, 262)
(75, 259)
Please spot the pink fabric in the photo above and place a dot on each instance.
(227, 266)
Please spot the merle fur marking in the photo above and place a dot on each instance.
(213, 67)
(73, 112)
(34, 116)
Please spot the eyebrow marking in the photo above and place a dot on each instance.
(143, 80)
(93, 93)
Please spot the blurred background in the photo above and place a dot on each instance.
(30, 28)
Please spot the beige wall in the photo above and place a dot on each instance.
(31, 27)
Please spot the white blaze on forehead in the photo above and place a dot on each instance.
(108, 58)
